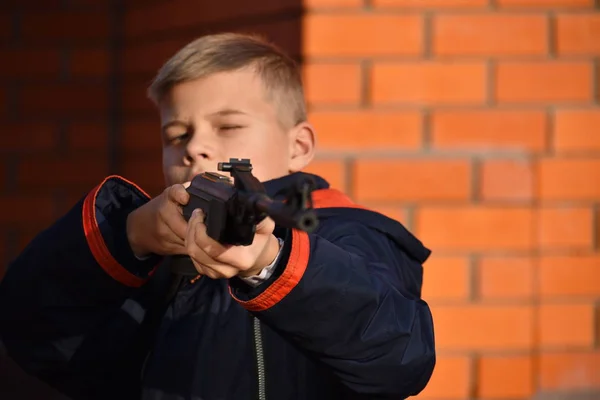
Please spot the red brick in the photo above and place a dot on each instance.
(367, 130)
(28, 136)
(97, 4)
(569, 370)
(93, 62)
(489, 130)
(135, 100)
(370, 35)
(71, 100)
(543, 82)
(3, 102)
(472, 229)
(3, 175)
(334, 171)
(71, 197)
(141, 135)
(564, 325)
(565, 228)
(429, 83)
(82, 136)
(420, 179)
(451, 379)
(30, 5)
(25, 209)
(498, 35)
(332, 83)
(145, 172)
(506, 180)
(311, 4)
(149, 57)
(446, 279)
(434, 4)
(545, 3)
(506, 327)
(518, 370)
(578, 34)
(30, 63)
(58, 26)
(597, 97)
(569, 277)
(170, 16)
(597, 230)
(503, 278)
(576, 130)
(6, 28)
(569, 178)
(81, 171)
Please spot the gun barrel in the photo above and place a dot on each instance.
(305, 220)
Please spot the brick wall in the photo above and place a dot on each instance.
(477, 124)
(53, 74)
(73, 107)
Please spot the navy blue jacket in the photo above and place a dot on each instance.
(341, 318)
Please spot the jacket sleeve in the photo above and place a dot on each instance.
(66, 309)
(345, 300)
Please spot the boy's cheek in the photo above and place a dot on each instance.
(173, 175)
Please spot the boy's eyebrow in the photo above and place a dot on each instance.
(228, 111)
(173, 123)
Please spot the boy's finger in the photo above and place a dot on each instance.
(178, 194)
(178, 226)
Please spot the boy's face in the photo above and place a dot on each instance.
(222, 116)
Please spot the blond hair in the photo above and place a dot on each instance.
(227, 52)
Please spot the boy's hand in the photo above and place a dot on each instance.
(158, 226)
(218, 261)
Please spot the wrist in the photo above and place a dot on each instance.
(266, 258)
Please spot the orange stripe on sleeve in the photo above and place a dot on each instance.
(329, 198)
(96, 242)
(299, 256)
(294, 270)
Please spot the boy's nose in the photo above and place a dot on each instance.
(197, 150)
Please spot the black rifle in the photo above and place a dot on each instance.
(233, 209)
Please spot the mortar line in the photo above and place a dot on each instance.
(366, 67)
(552, 35)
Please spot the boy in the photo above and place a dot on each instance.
(334, 314)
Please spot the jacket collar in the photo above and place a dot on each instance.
(277, 188)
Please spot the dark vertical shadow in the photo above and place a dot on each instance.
(115, 91)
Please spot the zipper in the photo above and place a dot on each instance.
(260, 360)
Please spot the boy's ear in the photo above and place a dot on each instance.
(302, 142)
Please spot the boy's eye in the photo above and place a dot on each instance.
(177, 138)
(229, 127)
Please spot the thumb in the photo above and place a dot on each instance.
(178, 194)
